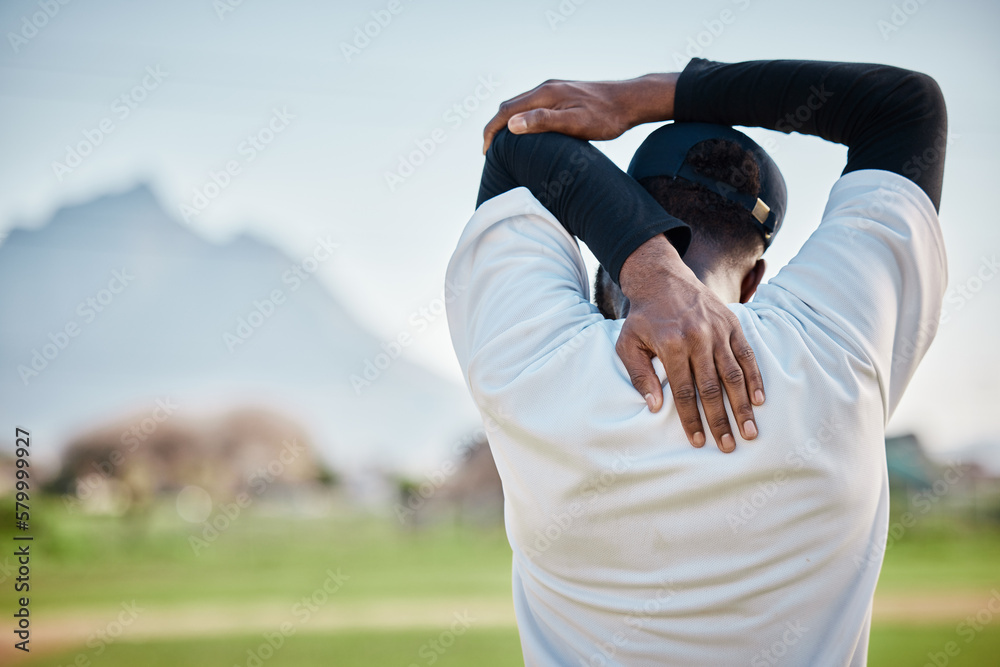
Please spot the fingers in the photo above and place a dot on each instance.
(685, 399)
(536, 120)
(710, 390)
(542, 120)
(567, 121)
(708, 367)
(497, 123)
(542, 97)
(515, 105)
(737, 366)
(748, 362)
(736, 388)
(638, 363)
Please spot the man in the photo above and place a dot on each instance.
(630, 547)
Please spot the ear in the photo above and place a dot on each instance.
(751, 280)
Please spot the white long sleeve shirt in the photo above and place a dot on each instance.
(630, 547)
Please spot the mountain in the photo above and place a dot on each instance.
(113, 303)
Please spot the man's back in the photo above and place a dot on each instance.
(632, 547)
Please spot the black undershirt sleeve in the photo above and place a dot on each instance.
(593, 199)
(889, 118)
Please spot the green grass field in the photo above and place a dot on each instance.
(376, 594)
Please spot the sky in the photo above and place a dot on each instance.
(363, 121)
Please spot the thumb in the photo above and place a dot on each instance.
(542, 120)
(638, 362)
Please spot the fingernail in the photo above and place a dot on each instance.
(649, 401)
(699, 439)
(517, 125)
(758, 397)
(750, 429)
(728, 443)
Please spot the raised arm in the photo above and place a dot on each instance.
(599, 203)
(587, 192)
(890, 119)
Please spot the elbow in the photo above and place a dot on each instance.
(496, 178)
(920, 94)
(499, 145)
(932, 99)
(910, 131)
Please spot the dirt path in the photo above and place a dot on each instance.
(75, 627)
(918, 608)
(68, 628)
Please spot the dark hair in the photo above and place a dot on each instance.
(713, 219)
(607, 295)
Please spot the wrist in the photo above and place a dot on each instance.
(648, 264)
(650, 98)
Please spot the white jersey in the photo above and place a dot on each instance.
(632, 547)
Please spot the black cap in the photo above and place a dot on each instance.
(664, 153)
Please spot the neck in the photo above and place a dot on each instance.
(717, 276)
